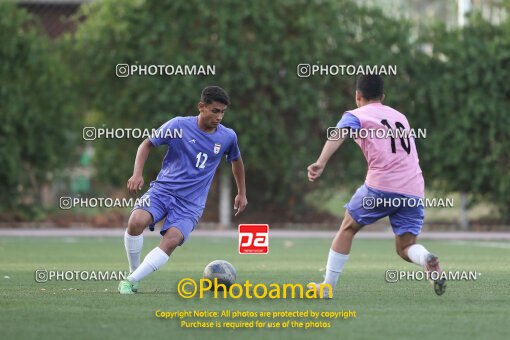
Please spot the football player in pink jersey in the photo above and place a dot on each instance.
(394, 185)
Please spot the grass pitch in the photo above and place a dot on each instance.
(410, 309)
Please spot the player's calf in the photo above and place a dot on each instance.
(404, 242)
(133, 237)
(430, 263)
(171, 240)
(157, 258)
(339, 252)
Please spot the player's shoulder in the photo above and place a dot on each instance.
(188, 118)
(354, 111)
(396, 113)
(348, 113)
(183, 121)
(391, 108)
(366, 109)
(226, 131)
(174, 120)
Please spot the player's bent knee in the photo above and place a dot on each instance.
(171, 241)
(403, 242)
(173, 236)
(349, 225)
(401, 253)
(349, 228)
(138, 221)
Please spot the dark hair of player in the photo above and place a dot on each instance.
(214, 94)
(370, 86)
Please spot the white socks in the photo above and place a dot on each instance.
(152, 262)
(417, 253)
(133, 245)
(334, 267)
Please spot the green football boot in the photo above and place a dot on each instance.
(128, 287)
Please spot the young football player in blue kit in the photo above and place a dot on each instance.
(179, 193)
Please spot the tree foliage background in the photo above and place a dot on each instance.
(467, 96)
(450, 82)
(38, 115)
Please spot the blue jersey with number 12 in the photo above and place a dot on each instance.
(191, 161)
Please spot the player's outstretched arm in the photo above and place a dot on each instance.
(135, 183)
(316, 169)
(240, 201)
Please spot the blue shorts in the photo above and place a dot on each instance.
(179, 213)
(406, 212)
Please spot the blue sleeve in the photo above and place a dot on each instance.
(233, 153)
(161, 136)
(349, 121)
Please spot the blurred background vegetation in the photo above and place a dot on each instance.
(58, 75)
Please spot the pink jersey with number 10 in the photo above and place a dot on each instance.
(393, 163)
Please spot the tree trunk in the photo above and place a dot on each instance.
(463, 218)
(225, 205)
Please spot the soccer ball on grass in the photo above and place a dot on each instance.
(221, 270)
